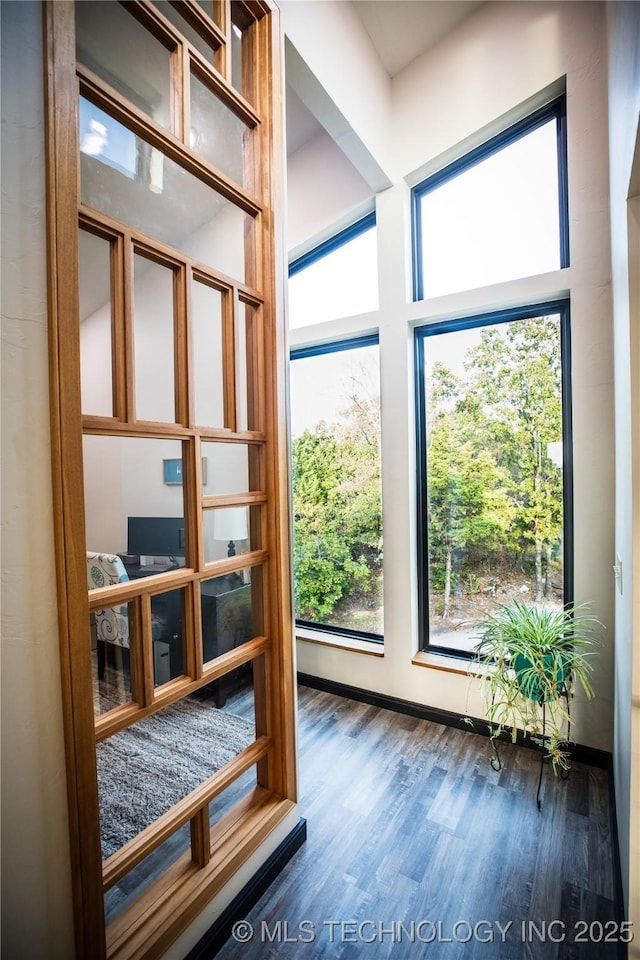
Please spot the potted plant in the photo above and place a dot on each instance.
(529, 660)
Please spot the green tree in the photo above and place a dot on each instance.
(468, 508)
(337, 509)
(515, 378)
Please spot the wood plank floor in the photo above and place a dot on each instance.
(417, 848)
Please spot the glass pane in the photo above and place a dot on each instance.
(95, 324)
(128, 179)
(153, 339)
(185, 28)
(112, 638)
(207, 6)
(227, 615)
(248, 376)
(342, 283)
(216, 133)
(146, 769)
(230, 467)
(236, 58)
(206, 324)
(122, 52)
(130, 512)
(231, 531)
(495, 221)
(119, 897)
(494, 473)
(335, 411)
(224, 802)
(168, 635)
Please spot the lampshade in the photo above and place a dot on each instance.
(230, 524)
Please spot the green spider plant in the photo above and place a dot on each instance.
(530, 660)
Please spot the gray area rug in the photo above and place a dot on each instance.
(144, 770)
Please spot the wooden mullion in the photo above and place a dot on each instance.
(229, 361)
(220, 568)
(232, 98)
(100, 426)
(180, 346)
(130, 713)
(128, 590)
(151, 18)
(192, 487)
(107, 226)
(190, 346)
(222, 56)
(262, 693)
(201, 837)
(178, 69)
(128, 320)
(146, 650)
(183, 96)
(254, 340)
(108, 99)
(234, 499)
(195, 16)
(154, 252)
(138, 691)
(175, 900)
(193, 523)
(197, 618)
(61, 141)
(190, 618)
(267, 51)
(222, 435)
(133, 852)
(119, 365)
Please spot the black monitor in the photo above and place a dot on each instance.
(156, 536)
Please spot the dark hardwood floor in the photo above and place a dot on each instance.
(417, 848)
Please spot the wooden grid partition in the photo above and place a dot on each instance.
(197, 41)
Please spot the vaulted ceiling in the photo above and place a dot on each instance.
(400, 31)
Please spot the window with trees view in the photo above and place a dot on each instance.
(335, 404)
(494, 463)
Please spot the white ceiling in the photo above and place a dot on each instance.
(403, 29)
(400, 31)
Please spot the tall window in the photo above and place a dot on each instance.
(335, 410)
(338, 278)
(498, 213)
(494, 468)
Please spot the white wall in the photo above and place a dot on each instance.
(325, 40)
(36, 887)
(339, 192)
(623, 22)
(498, 59)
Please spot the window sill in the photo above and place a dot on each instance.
(353, 644)
(436, 661)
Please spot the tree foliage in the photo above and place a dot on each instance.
(337, 509)
(493, 491)
(491, 481)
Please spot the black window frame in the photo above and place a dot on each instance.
(301, 353)
(334, 242)
(421, 336)
(555, 109)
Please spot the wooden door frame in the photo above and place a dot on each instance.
(183, 891)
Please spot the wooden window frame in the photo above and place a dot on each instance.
(147, 927)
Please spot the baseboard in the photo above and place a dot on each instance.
(618, 887)
(580, 753)
(219, 932)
